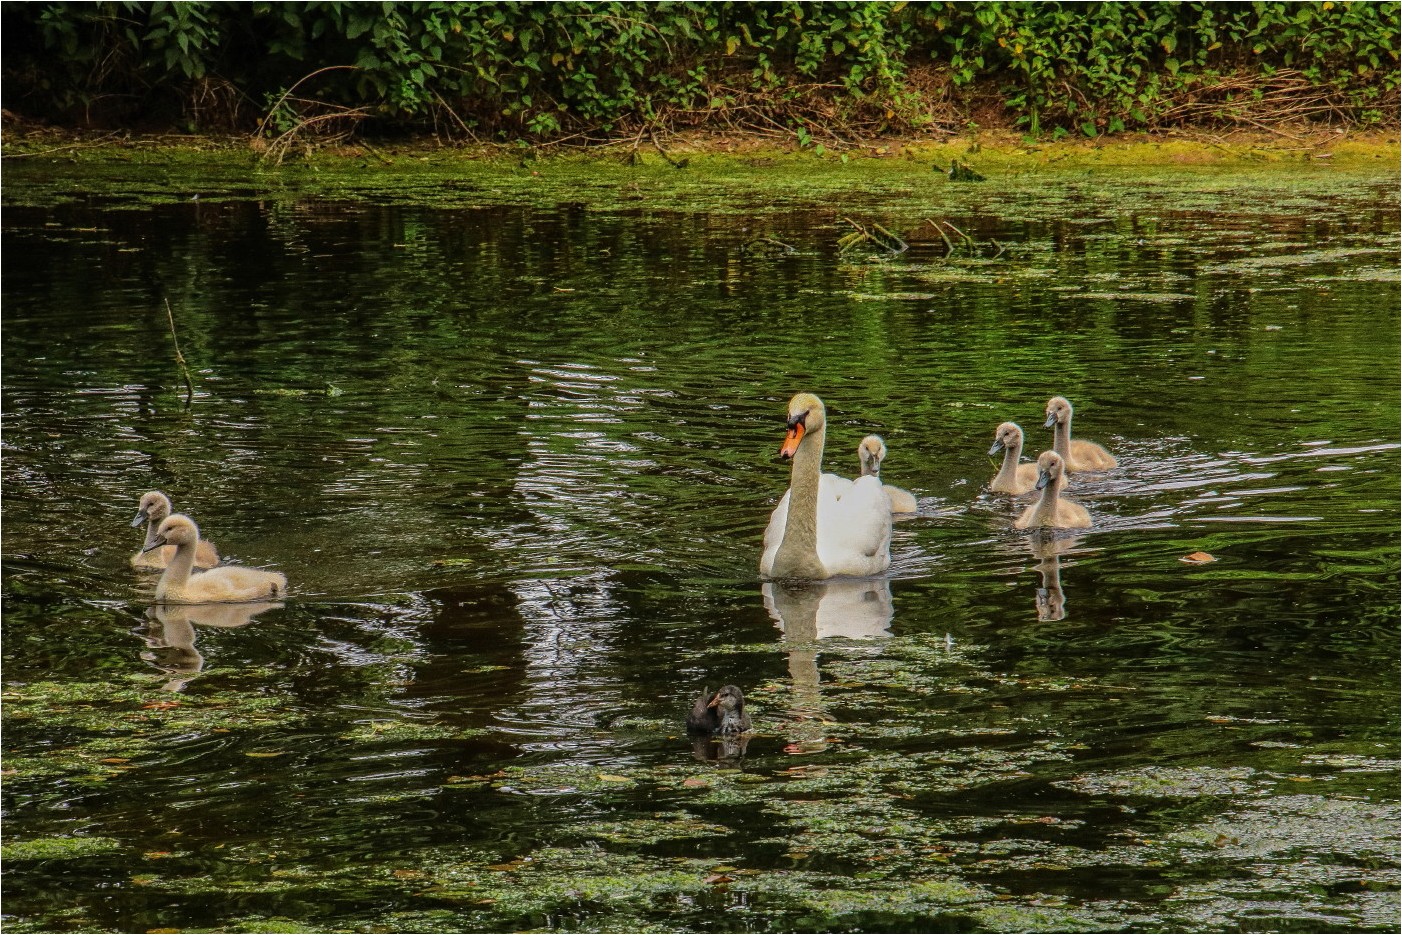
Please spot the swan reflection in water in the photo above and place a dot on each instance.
(169, 634)
(1048, 548)
(806, 612)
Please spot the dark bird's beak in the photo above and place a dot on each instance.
(997, 447)
(1043, 478)
(160, 541)
(140, 518)
(714, 701)
(1051, 420)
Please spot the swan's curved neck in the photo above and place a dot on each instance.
(177, 573)
(1061, 440)
(797, 556)
(1007, 475)
(150, 533)
(1045, 513)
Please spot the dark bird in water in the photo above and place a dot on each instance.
(721, 713)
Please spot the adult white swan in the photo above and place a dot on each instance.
(819, 533)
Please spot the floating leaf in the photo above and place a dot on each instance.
(1198, 558)
(609, 777)
(266, 755)
(516, 864)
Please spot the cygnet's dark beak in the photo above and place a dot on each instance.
(140, 518)
(159, 541)
(1051, 420)
(1043, 478)
(997, 447)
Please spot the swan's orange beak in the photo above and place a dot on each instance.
(791, 440)
(714, 701)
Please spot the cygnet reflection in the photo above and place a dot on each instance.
(169, 634)
(1048, 549)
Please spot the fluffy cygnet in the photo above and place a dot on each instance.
(1013, 477)
(1077, 453)
(152, 511)
(225, 583)
(1051, 510)
(871, 452)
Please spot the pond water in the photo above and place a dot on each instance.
(511, 433)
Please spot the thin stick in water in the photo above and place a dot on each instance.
(180, 358)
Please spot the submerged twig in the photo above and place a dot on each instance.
(874, 234)
(180, 358)
(967, 239)
(772, 244)
(968, 246)
(948, 246)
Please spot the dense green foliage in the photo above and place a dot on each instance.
(544, 71)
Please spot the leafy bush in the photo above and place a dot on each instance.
(590, 70)
(1110, 66)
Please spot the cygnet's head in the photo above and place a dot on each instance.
(1050, 468)
(1058, 411)
(806, 414)
(871, 452)
(176, 529)
(154, 507)
(1007, 435)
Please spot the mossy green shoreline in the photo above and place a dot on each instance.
(711, 174)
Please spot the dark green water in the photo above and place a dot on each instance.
(512, 440)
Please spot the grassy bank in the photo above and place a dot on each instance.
(984, 151)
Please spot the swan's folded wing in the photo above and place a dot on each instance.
(833, 487)
(859, 525)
